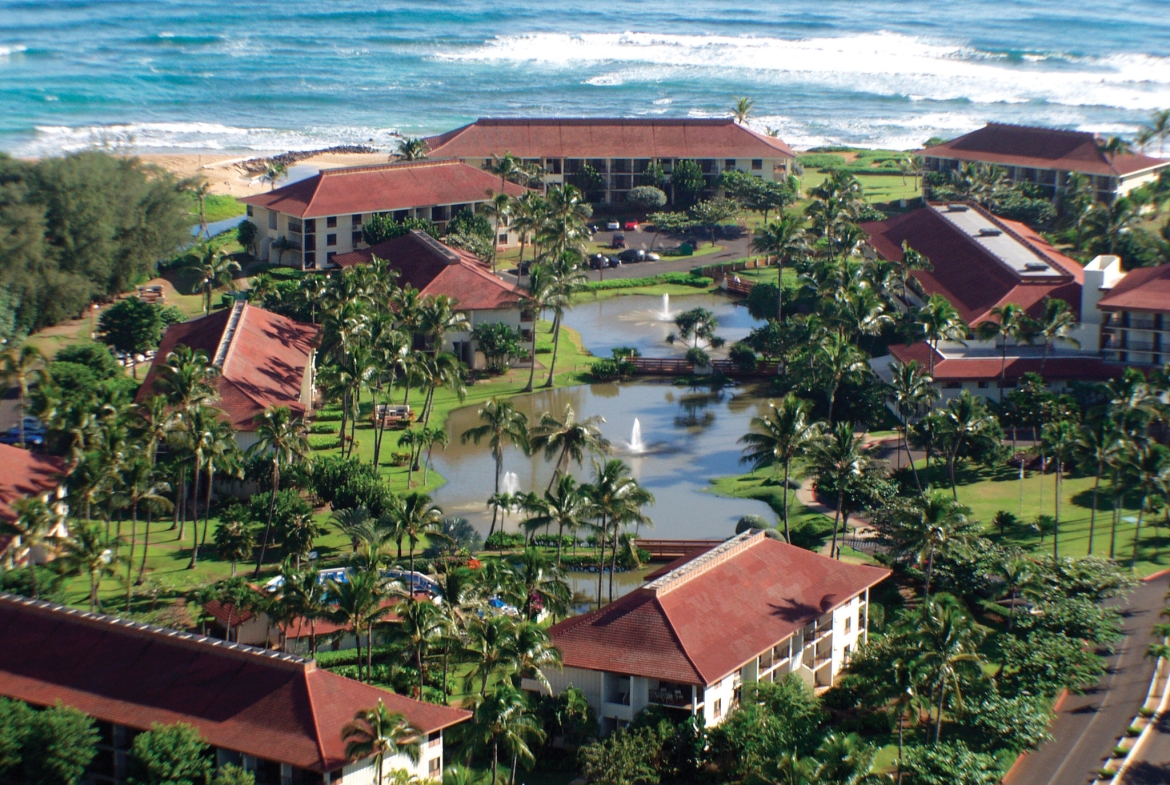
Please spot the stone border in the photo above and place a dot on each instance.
(1156, 701)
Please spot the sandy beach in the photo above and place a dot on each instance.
(227, 175)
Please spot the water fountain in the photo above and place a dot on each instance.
(510, 483)
(637, 446)
(664, 314)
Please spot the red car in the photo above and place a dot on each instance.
(631, 226)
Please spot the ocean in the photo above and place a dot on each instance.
(252, 76)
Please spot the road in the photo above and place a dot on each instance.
(1087, 726)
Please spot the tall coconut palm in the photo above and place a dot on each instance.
(222, 455)
(1148, 472)
(498, 209)
(85, 552)
(420, 518)
(420, 625)
(1011, 324)
(357, 605)
(281, 439)
(508, 168)
(615, 497)
(215, 268)
(274, 172)
(200, 188)
(502, 721)
(785, 239)
(568, 439)
(141, 488)
(839, 360)
(502, 425)
(1055, 324)
(1096, 440)
(948, 640)
(964, 418)
(35, 524)
(782, 435)
(565, 506)
(742, 108)
(567, 280)
(911, 389)
(382, 734)
(412, 148)
(1019, 577)
(937, 320)
(1159, 128)
(933, 525)
(1059, 439)
(24, 366)
(840, 458)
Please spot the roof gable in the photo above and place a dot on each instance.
(24, 474)
(1043, 148)
(1143, 289)
(602, 137)
(383, 188)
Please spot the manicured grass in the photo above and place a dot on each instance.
(218, 207)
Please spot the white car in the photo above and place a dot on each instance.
(652, 257)
(612, 226)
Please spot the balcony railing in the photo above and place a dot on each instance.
(815, 662)
(677, 698)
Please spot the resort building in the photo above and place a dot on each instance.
(433, 268)
(749, 609)
(264, 359)
(979, 262)
(1046, 157)
(276, 715)
(25, 475)
(1135, 314)
(306, 223)
(619, 150)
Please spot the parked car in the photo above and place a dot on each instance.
(613, 261)
(632, 255)
(631, 226)
(618, 241)
(598, 261)
(612, 226)
(652, 257)
(34, 433)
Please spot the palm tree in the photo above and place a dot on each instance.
(911, 388)
(412, 148)
(838, 457)
(420, 623)
(565, 505)
(1096, 440)
(782, 435)
(381, 733)
(1012, 324)
(783, 238)
(222, 454)
(216, 269)
(35, 524)
(1059, 440)
(489, 648)
(281, 437)
(1054, 325)
(85, 553)
(965, 418)
(24, 366)
(357, 606)
(541, 289)
(1148, 469)
(1018, 577)
(502, 720)
(502, 425)
(498, 208)
(140, 487)
(420, 518)
(1115, 146)
(568, 438)
(845, 760)
(840, 360)
(937, 321)
(273, 173)
(1159, 128)
(537, 584)
(948, 640)
(567, 280)
(933, 525)
(742, 108)
(507, 168)
(234, 541)
(200, 188)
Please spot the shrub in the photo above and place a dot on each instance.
(1133, 730)
(323, 427)
(323, 442)
(743, 356)
(327, 416)
(500, 541)
(1146, 711)
(682, 279)
(169, 755)
(1120, 752)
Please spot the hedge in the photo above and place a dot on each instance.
(322, 442)
(683, 279)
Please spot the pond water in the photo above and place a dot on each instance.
(688, 436)
(644, 321)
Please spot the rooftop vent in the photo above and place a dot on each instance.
(956, 208)
(989, 232)
(1035, 266)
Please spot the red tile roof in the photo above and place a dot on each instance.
(273, 706)
(381, 188)
(264, 364)
(24, 474)
(601, 137)
(986, 367)
(1143, 289)
(298, 627)
(966, 273)
(434, 268)
(705, 620)
(1040, 148)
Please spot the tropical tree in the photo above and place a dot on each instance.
(741, 109)
(24, 366)
(785, 239)
(566, 505)
(911, 389)
(542, 288)
(937, 320)
(501, 425)
(1055, 324)
(215, 268)
(234, 541)
(1148, 470)
(964, 419)
(139, 488)
(412, 148)
(380, 733)
(567, 280)
(1059, 439)
(274, 172)
(35, 525)
(420, 517)
(357, 605)
(420, 625)
(930, 526)
(838, 360)
(280, 438)
(1159, 128)
(568, 439)
(200, 188)
(838, 457)
(86, 553)
(1011, 324)
(502, 721)
(1096, 441)
(948, 640)
(784, 434)
(498, 208)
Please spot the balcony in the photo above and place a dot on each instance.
(675, 698)
(816, 661)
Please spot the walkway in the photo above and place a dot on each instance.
(1151, 766)
(1087, 726)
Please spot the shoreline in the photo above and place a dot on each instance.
(228, 176)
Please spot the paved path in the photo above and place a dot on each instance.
(1087, 726)
(1152, 764)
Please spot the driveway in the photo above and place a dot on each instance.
(1087, 726)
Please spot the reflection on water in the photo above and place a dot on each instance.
(639, 321)
(689, 435)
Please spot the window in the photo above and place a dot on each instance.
(249, 211)
(331, 222)
(356, 220)
(757, 163)
(271, 220)
(729, 163)
(433, 767)
(329, 257)
(984, 385)
(356, 238)
(503, 239)
(848, 624)
(717, 709)
(953, 385)
(310, 259)
(331, 239)
(310, 225)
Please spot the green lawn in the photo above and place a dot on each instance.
(218, 207)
